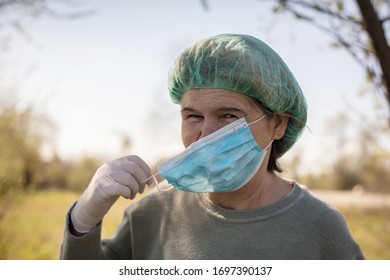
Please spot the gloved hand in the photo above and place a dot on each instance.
(124, 176)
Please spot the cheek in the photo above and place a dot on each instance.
(261, 136)
(189, 134)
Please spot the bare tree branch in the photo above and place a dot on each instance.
(205, 5)
(376, 33)
(15, 13)
(317, 8)
(362, 35)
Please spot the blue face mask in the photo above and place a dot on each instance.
(223, 161)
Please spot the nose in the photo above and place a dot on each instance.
(209, 126)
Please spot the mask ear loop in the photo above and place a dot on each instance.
(157, 183)
(269, 144)
(259, 119)
(283, 114)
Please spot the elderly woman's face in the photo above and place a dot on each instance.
(204, 111)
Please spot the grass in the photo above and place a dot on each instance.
(31, 226)
(371, 229)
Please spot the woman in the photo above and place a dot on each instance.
(241, 109)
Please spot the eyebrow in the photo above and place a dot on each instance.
(219, 110)
(230, 110)
(188, 109)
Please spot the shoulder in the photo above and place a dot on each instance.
(321, 214)
(329, 228)
(316, 205)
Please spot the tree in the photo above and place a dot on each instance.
(15, 13)
(54, 173)
(360, 27)
(81, 173)
(22, 134)
(23, 130)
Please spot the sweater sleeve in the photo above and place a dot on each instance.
(86, 247)
(91, 247)
(337, 242)
(118, 247)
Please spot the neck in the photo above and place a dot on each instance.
(258, 192)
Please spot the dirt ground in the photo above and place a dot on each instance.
(357, 198)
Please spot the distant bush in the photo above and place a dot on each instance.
(22, 134)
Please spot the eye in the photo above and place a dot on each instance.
(230, 116)
(193, 117)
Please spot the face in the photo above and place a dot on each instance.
(204, 111)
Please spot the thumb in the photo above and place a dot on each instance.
(121, 190)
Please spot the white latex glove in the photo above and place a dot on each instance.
(124, 176)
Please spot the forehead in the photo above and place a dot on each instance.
(202, 99)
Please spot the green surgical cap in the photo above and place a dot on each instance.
(243, 64)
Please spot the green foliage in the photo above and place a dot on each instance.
(54, 173)
(372, 174)
(22, 167)
(345, 173)
(362, 158)
(375, 171)
(22, 133)
(81, 173)
(74, 176)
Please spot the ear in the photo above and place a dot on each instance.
(279, 126)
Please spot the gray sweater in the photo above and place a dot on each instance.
(179, 225)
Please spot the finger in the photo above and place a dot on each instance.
(123, 177)
(130, 182)
(124, 191)
(138, 173)
(142, 164)
(135, 166)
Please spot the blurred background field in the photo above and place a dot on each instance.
(31, 225)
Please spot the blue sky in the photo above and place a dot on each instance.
(104, 76)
